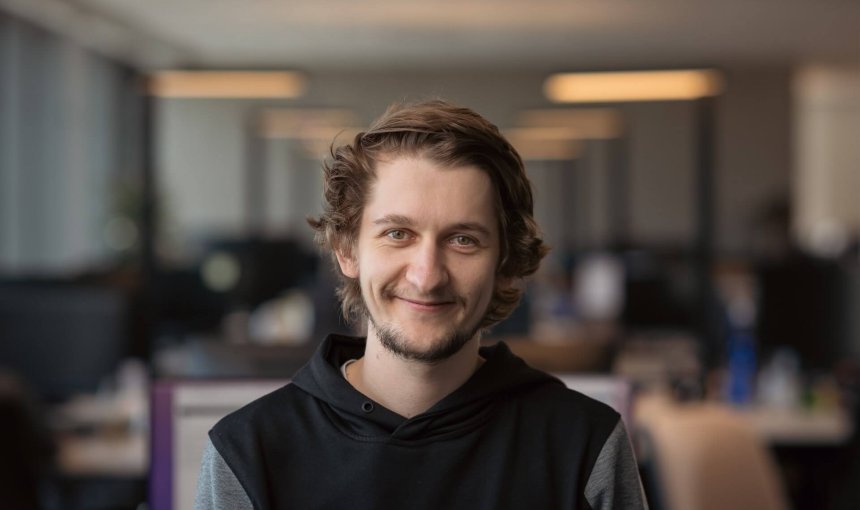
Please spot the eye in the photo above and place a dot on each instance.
(463, 241)
(396, 235)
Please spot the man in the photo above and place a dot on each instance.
(429, 217)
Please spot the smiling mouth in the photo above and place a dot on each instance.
(429, 306)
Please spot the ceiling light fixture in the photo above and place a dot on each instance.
(227, 84)
(630, 86)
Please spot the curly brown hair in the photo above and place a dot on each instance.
(449, 136)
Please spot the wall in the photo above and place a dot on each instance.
(826, 188)
(754, 162)
(65, 136)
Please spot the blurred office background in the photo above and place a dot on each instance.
(158, 160)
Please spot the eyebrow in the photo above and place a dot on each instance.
(393, 219)
(472, 227)
(399, 219)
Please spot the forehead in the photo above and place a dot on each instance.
(420, 186)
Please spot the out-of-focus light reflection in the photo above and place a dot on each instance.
(545, 143)
(584, 123)
(221, 272)
(314, 128)
(625, 86)
(828, 238)
(228, 84)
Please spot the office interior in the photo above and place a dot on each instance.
(158, 161)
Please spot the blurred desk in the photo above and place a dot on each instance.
(813, 451)
(102, 472)
(119, 456)
(102, 456)
(572, 356)
(800, 427)
(103, 435)
(795, 428)
(586, 348)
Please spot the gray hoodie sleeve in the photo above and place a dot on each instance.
(614, 481)
(217, 487)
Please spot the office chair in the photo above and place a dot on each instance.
(704, 456)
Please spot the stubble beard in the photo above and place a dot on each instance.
(396, 342)
(449, 343)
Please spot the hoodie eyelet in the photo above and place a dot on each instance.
(367, 406)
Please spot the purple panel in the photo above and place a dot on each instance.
(161, 465)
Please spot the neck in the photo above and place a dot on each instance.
(410, 387)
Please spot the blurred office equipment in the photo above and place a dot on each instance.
(806, 304)
(659, 289)
(230, 274)
(61, 338)
(661, 361)
(807, 301)
(264, 268)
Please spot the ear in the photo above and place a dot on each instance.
(347, 262)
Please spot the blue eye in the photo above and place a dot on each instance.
(397, 235)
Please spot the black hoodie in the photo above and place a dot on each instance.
(510, 437)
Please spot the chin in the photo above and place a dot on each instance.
(405, 345)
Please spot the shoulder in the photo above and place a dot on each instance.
(217, 486)
(260, 423)
(567, 421)
(614, 479)
(556, 401)
(260, 411)
(244, 438)
(544, 395)
(580, 430)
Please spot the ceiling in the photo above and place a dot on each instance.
(556, 34)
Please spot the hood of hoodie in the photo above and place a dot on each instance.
(463, 410)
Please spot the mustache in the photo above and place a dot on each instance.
(440, 296)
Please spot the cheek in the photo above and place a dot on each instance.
(376, 272)
(479, 282)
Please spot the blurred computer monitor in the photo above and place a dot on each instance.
(61, 339)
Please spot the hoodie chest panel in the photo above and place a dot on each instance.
(516, 459)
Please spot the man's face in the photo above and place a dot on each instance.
(426, 256)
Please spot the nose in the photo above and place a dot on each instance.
(426, 271)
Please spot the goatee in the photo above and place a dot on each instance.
(396, 342)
